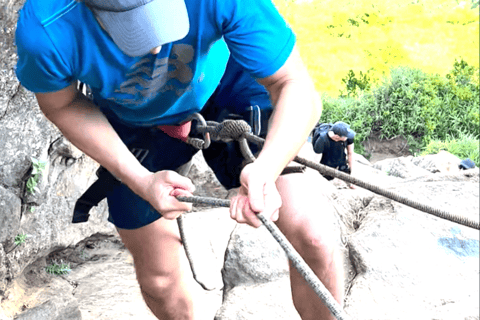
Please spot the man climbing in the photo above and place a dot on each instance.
(150, 65)
(330, 142)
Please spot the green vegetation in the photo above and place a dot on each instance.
(465, 146)
(58, 268)
(411, 103)
(37, 170)
(20, 239)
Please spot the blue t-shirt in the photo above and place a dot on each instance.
(60, 41)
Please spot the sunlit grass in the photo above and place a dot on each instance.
(466, 146)
(375, 36)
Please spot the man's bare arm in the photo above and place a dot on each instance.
(87, 128)
(350, 155)
(297, 108)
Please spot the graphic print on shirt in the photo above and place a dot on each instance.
(150, 76)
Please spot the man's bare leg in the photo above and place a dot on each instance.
(163, 273)
(306, 219)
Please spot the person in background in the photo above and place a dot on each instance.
(150, 65)
(334, 145)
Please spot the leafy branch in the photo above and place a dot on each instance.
(58, 268)
(20, 239)
(38, 167)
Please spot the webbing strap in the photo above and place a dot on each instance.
(178, 132)
(101, 188)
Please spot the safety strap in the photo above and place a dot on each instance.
(255, 119)
(180, 132)
(100, 189)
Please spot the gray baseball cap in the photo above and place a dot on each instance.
(138, 26)
(342, 129)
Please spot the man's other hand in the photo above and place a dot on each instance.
(256, 195)
(161, 189)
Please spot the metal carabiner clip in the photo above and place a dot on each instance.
(199, 143)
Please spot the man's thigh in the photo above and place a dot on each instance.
(156, 249)
(307, 214)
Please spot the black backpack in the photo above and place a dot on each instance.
(319, 129)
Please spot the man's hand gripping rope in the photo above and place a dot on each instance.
(255, 195)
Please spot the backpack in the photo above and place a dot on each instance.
(319, 129)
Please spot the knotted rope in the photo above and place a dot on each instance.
(227, 130)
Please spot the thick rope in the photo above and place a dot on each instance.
(391, 195)
(292, 254)
(227, 130)
(185, 243)
(378, 190)
(242, 130)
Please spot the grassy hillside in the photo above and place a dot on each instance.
(373, 36)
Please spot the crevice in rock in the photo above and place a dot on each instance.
(52, 145)
(367, 201)
(72, 283)
(360, 213)
(9, 101)
(359, 216)
(24, 208)
(61, 151)
(226, 286)
(358, 265)
(355, 273)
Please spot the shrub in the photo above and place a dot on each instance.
(466, 146)
(38, 167)
(356, 85)
(355, 112)
(411, 103)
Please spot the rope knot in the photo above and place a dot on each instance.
(229, 130)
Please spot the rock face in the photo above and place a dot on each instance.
(410, 264)
(400, 263)
(255, 277)
(42, 214)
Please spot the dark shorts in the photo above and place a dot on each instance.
(232, 100)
